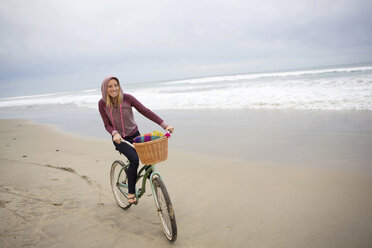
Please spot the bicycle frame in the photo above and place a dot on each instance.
(141, 191)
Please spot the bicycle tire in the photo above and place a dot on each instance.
(166, 211)
(120, 194)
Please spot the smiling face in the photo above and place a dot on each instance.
(113, 88)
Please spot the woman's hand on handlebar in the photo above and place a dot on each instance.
(117, 138)
(169, 129)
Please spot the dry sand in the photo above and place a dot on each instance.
(55, 192)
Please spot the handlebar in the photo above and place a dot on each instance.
(123, 140)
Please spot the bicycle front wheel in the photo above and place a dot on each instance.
(165, 212)
(119, 183)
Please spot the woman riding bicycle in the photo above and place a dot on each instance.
(115, 108)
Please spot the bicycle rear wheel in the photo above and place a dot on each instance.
(119, 183)
(166, 212)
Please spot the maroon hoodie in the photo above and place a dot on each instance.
(115, 119)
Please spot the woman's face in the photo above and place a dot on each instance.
(113, 88)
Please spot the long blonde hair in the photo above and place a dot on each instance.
(110, 102)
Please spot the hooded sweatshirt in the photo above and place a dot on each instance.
(115, 119)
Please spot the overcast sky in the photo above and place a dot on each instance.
(48, 46)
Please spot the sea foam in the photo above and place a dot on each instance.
(324, 89)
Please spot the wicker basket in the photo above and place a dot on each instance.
(152, 152)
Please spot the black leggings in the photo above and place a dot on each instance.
(132, 156)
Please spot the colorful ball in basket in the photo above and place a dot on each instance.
(152, 148)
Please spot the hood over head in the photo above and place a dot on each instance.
(105, 84)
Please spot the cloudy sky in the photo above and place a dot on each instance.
(48, 46)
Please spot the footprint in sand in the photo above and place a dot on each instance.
(2, 204)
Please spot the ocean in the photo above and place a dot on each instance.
(346, 88)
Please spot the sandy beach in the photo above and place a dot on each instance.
(270, 101)
(55, 192)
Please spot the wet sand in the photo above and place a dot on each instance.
(55, 192)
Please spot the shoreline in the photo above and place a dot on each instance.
(63, 198)
(338, 139)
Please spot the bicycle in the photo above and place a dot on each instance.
(163, 204)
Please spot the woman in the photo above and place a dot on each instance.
(115, 108)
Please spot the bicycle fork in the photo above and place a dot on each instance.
(155, 173)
